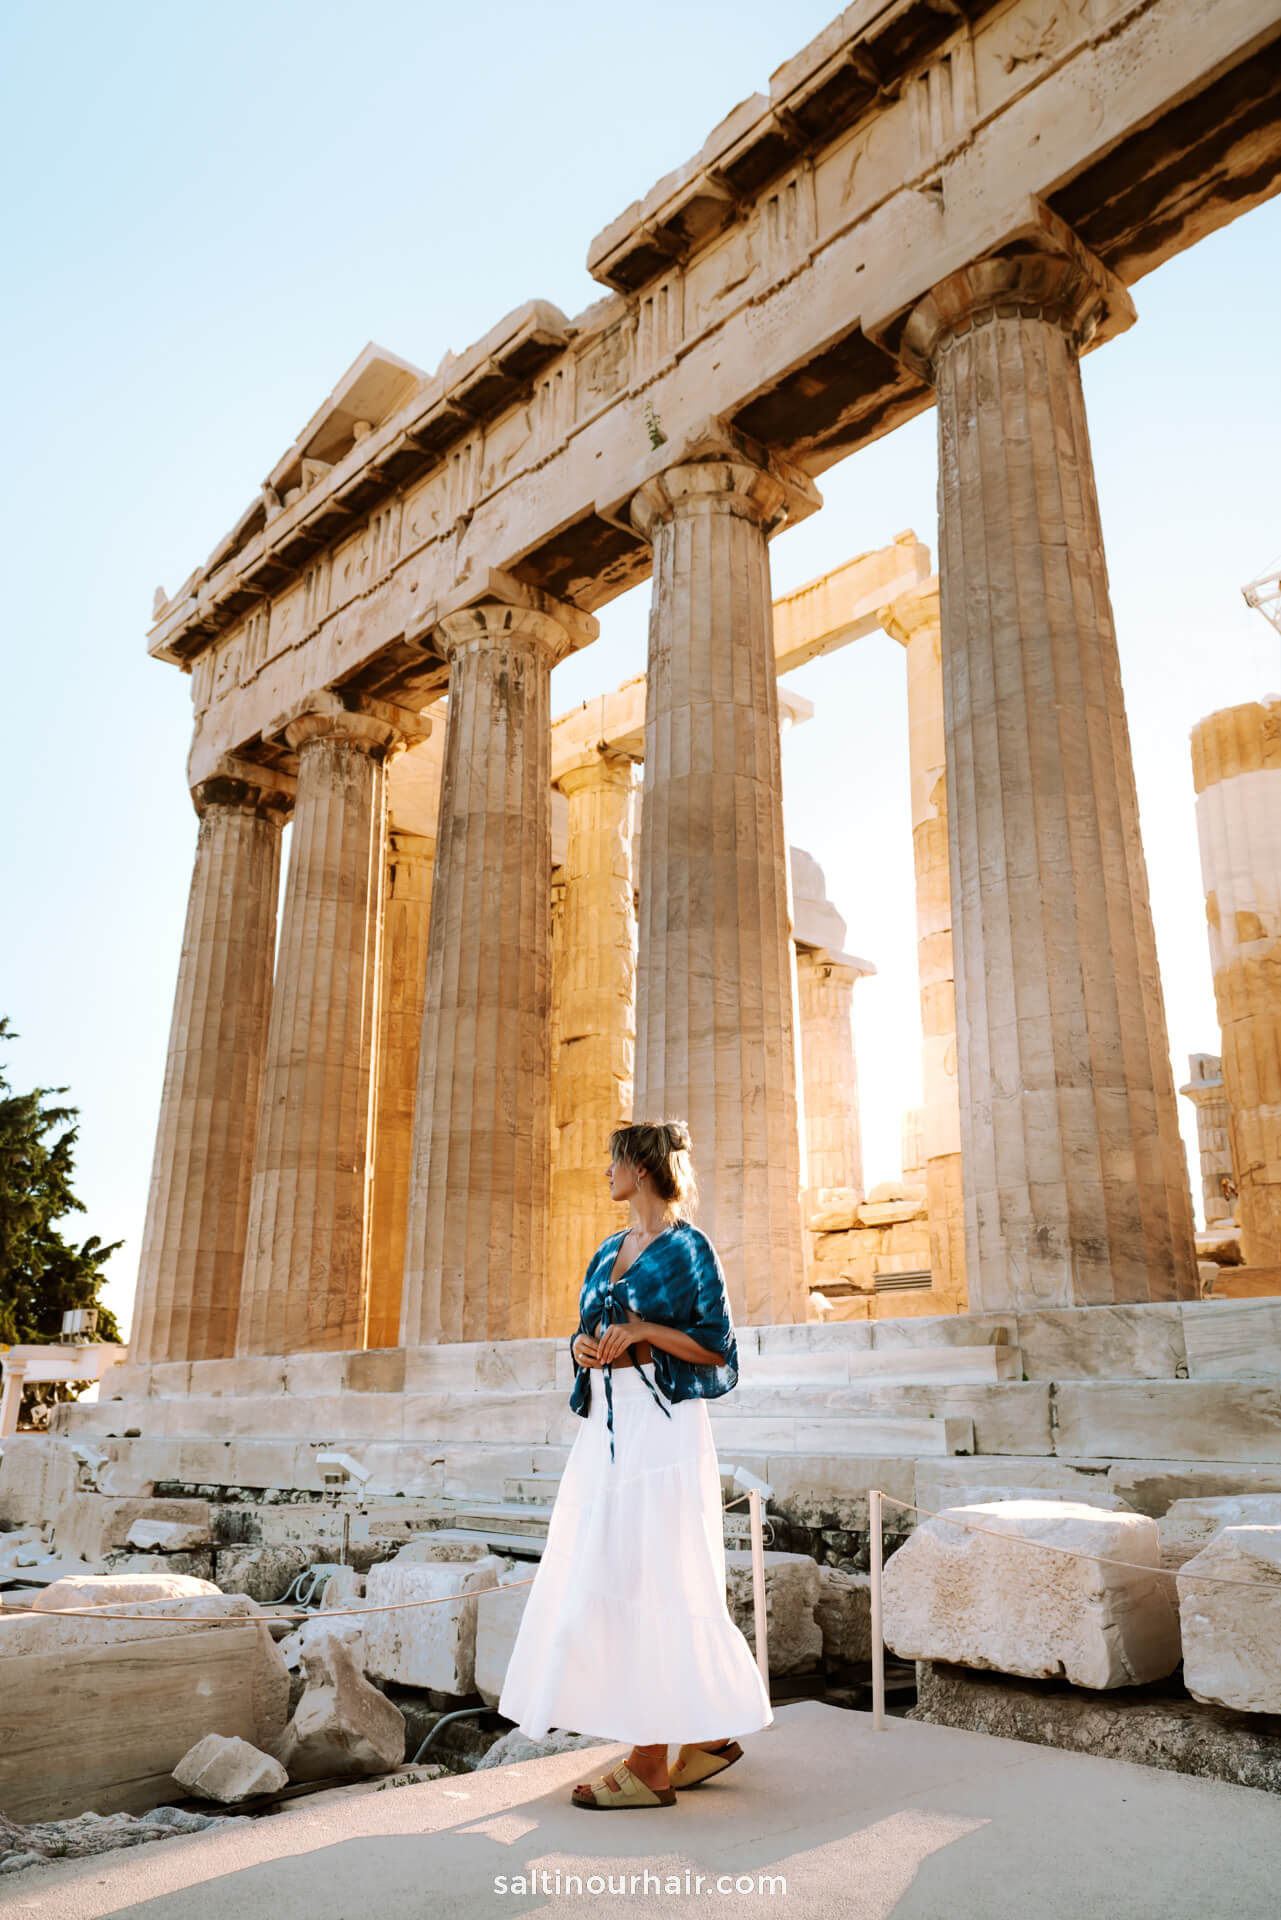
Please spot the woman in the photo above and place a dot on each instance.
(626, 1632)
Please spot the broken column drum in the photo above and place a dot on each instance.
(1075, 1182)
(714, 1035)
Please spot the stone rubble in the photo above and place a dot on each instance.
(94, 1833)
(225, 1768)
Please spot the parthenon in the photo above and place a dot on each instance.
(853, 247)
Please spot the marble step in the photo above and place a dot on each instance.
(892, 1366)
(531, 1487)
(514, 1515)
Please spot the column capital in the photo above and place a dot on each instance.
(497, 610)
(379, 728)
(710, 486)
(242, 786)
(912, 612)
(713, 468)
(595, 768)
(1049, 276)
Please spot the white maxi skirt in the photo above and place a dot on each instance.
(626, 1633)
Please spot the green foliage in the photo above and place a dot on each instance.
(43, 1275)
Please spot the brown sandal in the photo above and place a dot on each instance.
(693, 1765)
(631, 1792)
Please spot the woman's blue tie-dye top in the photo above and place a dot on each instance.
(676, 1281)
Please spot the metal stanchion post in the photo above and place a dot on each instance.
(878, 1644)
(758, 1583)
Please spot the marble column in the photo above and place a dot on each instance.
(592, 1081)
(305, 1286)
(1236, 764)
(715, 1043)
(1214, 1137)
(476, 1248)
(1076, 1188)
(193, 1245)
(826, 995)
(914, 620)
(406, 916)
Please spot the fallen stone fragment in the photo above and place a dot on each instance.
(342, 1726)
(223, 1767)
(168, 1536)
(998, 1599)
(118, 1589)
(1190, 1525)
(1232, 1634)
(92, 1833)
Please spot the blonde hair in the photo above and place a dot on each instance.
(662, 1149)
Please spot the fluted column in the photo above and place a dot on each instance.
(476, 1249)
(914, 620)
(305, 1287)
(1214, 1136)
(592, 1080)
(826, 995)
(715, 1043)
(406, 916)
(1076, 1187)
(193, 1245)
(1236, 762)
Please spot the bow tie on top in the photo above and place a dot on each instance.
(614, 1310)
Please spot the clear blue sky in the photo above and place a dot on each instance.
(211, 208)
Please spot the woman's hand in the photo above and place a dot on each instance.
(615, 1340)
(584, 1350)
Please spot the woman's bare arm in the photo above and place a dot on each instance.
(673, 1341)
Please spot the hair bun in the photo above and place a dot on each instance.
(678, 1137)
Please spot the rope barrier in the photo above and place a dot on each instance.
(1102, 1560)
(273, 1613)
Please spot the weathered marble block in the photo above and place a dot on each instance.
(793, 1588)
(975, 1600)
(1190, 1525)
(1232, 1634)
(427, 1646)
(497, 1623)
